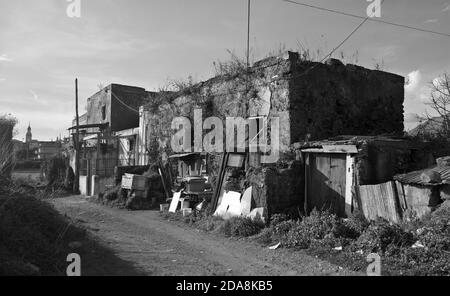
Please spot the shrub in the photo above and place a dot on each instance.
(296, 237)
(320, 224)
(276, 219)
(32, 232)
(313, 228)
(209, 223)
(282, 228)
(382, 237)
(423, 261)
(242, 226)
(352, 227)
(437, 237)
(265, 237)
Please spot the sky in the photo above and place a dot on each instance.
(148, 42)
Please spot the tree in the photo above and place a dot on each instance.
(7, 124)
(439, 102)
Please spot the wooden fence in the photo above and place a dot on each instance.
(380, 200)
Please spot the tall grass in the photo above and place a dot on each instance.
(7, 124)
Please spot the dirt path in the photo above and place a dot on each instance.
(154, 246)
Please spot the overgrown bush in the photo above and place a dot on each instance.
(276, 219)
(242, 226)
(209, 223)
(282, 228)
(352, 227)
(32, 236)
(423, 262)
(313, 228)
(265, 237)
(384, 238)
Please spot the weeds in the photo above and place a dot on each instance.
(33, 235)
(242, 226)
(384, 238)
(321, 232)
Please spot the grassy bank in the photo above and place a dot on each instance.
(417, 247)
(35, 239)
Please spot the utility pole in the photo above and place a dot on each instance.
(76, 183)
(247, 83)
(248, 34)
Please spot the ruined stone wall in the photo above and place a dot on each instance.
(121, 104)
(257, 93)
(126, 115)
(323, 101)
(335, 99)
(94, 107)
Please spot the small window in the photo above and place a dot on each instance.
(104, 113)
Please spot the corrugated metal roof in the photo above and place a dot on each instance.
(414, 177)
(381, 140)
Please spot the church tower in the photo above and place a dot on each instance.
(28, 136)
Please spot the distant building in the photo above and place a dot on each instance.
(108, 133)
(29, 135)
(47, 150)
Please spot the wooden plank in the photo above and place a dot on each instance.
(344, 149)
(246, 201)
(174, 204)
(326, 183)
(349, 149)
(338, 165)
(396, 211)
(350, 161)
(401, 196)
(163, 181)
(307, 178)
(219, 182)
(380, 201)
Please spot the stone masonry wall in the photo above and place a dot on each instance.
(335, 99)
(321, 100)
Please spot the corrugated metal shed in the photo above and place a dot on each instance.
(415, 177)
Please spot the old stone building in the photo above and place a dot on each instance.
(108, 134)
(312, 100)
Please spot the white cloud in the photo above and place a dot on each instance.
(5, 58)
(412, 118)
(431, 21)
(446, 8)
(2, 79)
(411, 121)
(412, 81)
(36, 97)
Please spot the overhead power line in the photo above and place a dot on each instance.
(335, 48)
(124, 104)
(371, 19)
(345, 40)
